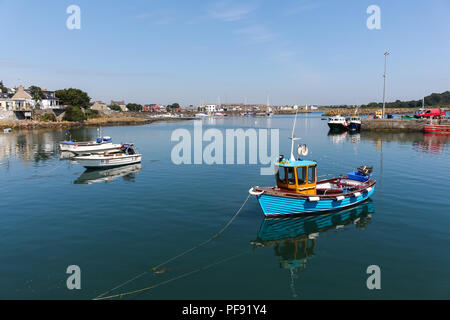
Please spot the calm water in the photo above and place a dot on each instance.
(119, 223)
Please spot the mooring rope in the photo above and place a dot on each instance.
(214, 236)
(172, 279)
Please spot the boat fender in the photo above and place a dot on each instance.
(369, 189)
(340, 198)
(313, 199)
(357, 194)
(255, 193)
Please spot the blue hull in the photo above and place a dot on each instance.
(279, 206)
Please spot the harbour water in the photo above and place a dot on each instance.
(117, 224)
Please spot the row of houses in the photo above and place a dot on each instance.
(22, 100)
(211, 108)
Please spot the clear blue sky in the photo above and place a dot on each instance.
(301, 52)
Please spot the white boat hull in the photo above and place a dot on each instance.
(80, 149)
(107, 161)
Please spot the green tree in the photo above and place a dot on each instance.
(172, 107)
(115, 107)
(134, 107)
(48, 117)
(3, 89)
(74, 114)
(92, 113)
(73, 97)
(36, 93)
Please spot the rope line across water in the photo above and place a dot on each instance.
(214, 236)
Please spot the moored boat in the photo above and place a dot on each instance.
(337, 123)
(127, 154)
(355, 123)
(101, 144)
(297, 190)
(437, 128)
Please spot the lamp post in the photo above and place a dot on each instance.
(384, 86)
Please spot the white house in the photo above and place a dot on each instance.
(22, 100)
(210, 108)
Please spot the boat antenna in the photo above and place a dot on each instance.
(293, 138)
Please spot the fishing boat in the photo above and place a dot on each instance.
(437, 128)
(201, 115)
(101, 144)
(7, 130)
(355, 123)
(337, 123)
(127, 154)
(297, 190)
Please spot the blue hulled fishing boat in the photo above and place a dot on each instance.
(298, 192)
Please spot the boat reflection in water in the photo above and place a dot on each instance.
(341, 137)
(434, 143)
(294, 239)
(128, 173)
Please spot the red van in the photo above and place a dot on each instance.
(431, 113)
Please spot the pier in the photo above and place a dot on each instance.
(400, 125)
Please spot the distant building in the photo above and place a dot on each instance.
(23, 100)
(210, 108)
(121, 104)
(100, 106)
(49, 100)
(153, 107)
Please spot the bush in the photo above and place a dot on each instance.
(48, 117)
(91, 113)
(74, 114)
(134, 107)
(115, 107)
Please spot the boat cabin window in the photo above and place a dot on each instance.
(312, 174)
(291, 175)
(301, 175)
(281, 175)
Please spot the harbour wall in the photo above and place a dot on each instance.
(400, 125)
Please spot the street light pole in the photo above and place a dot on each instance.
(384, 86)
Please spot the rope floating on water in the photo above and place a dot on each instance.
(214, 236)
(172, 279)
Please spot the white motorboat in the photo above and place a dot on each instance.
(127, 154)
(102, 144)
(338, 123)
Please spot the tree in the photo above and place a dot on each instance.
(172, 107)
(73, 97)
(115, 107)
(3, 89)
(74, 114)
(36, 93)
(134, 107)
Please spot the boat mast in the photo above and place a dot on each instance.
(293, 138)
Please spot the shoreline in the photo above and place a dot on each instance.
(102, 122)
